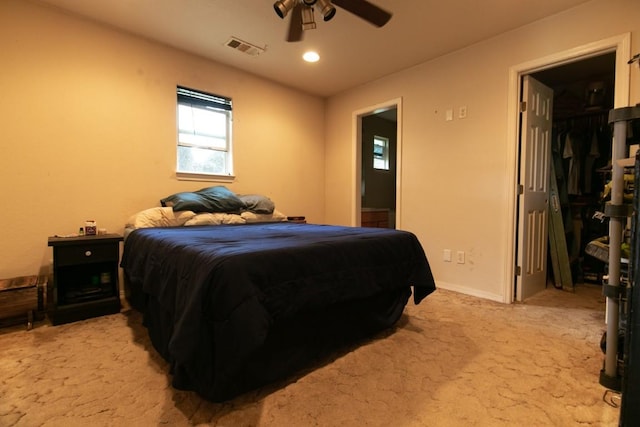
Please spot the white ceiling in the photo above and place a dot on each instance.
(353, 52)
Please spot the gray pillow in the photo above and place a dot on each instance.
(257, 203)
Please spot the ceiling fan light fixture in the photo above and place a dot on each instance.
(308, 22)
(282, 7)
(311, 56)
(327, 9)
(302, 15)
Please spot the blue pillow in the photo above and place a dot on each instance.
(221, 199)
(210, 199)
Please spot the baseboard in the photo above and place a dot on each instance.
(470, 291)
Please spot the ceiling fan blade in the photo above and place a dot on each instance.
(295, 24)
(365, 10)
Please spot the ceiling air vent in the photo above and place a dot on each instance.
(244, 47)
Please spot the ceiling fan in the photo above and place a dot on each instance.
(302, 13)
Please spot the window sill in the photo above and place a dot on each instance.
(188, 176)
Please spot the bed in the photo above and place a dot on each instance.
(234, 306)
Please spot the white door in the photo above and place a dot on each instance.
(533, 217)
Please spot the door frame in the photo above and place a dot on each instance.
(621, 45)
(356, 185)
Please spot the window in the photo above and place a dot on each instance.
(204, 134)
(380, 153)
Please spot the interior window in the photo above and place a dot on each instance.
(380, 153)
(204, 134)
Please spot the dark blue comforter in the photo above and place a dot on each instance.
(222, 288)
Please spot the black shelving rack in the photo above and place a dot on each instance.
(622, 290)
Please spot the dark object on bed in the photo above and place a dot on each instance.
(233, 307)
(210, 199)
(218, 199)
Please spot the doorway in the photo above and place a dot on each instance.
(581, 64)
(378, 171)
(378, 151)
(581, 152)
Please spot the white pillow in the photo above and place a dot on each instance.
(159, 217)
(215, 218)
(254, 217)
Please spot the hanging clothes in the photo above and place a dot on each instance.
(573, 174)
(590, 160)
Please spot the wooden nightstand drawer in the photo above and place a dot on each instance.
(87, 253)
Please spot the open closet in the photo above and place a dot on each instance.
(581, 153)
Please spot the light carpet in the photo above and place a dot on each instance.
(453, 360)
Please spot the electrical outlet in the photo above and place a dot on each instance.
(446, 255)
(462, 112)
(460, 257)
(449, 115)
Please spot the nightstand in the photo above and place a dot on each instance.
(85, 277)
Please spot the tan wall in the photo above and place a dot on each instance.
(88, 131)
(455, 175)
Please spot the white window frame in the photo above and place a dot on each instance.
(381, 161)
(199, 100)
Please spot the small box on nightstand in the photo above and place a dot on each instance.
(297, 219)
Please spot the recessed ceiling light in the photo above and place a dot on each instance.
(311, 56)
